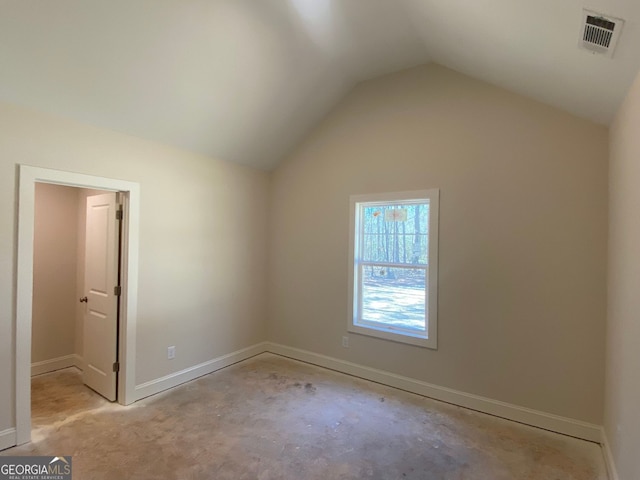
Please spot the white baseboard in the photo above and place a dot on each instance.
(79, 362)
(46, 366)
(7, 438)
(608, 456)
(173, 380)
(555, 423)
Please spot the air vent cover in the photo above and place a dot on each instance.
(600, 33)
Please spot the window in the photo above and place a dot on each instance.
(394, 266)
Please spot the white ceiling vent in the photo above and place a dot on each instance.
(600, 33)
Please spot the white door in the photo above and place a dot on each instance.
(101, 308)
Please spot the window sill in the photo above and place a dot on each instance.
(394, 336)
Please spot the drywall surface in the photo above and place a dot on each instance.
(202, 241)
(622, 392)
(523, 219)
(54, 272)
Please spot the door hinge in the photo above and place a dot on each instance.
(116, 367)
(119, 213)
(117, 291)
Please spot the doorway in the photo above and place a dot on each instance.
(76, 260)
(129, 191)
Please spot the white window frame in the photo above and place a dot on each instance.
(355, 325)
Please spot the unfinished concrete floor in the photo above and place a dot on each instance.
(273, 418)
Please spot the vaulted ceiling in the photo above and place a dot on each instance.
(245, 80)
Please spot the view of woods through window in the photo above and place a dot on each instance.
(393, 264)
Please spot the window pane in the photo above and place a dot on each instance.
(395, 233)
(394, 296)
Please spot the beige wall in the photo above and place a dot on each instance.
(622, 406)
(523, 220)
(54, 272)
(202, 241)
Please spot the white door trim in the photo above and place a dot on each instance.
(29, 176)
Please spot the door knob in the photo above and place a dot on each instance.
(84, 300)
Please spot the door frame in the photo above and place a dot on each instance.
(28, 177)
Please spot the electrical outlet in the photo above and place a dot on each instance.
(345, 342)
(171, 352)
